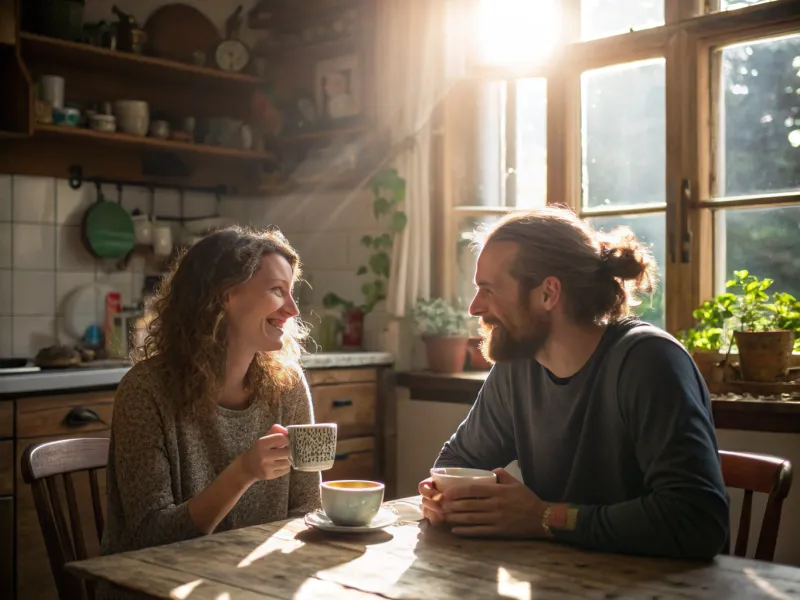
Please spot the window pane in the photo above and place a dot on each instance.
(649, 229)
(531, 138)
(624, 134)
(765, 241)
(467, 256)
(734, 4)
(759, 120)
(601, 18)
(478, 160)
(516, 31)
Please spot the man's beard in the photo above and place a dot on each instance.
(517, 340)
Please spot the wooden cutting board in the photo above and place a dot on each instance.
(177, 31)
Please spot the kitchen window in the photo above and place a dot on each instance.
(679, 119)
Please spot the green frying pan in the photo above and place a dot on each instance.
(108, 229)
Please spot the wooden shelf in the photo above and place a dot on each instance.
(293, 16)
(69, 134)
(47, 49)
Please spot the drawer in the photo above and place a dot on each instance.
(355, 459)
(329, 376)
(7, 548)
(350, 406)
(6, 468)
(6, 419)
(38, 417)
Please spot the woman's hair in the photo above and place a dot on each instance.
(602, 275)
(188, 336)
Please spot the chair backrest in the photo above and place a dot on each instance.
(43, 465)
(764, 474)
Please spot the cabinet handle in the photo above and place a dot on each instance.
(342, 402)
(80, 416)
(344, 456)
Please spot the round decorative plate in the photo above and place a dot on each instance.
(319, 520)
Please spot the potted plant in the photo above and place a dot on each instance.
(444, 330)
(764, 327)
(389, 192)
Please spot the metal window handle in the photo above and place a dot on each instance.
(339, 403)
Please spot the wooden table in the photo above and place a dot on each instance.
(411, 560)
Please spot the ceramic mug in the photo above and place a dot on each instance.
(312, 447)
(351, 503)
(445, 478)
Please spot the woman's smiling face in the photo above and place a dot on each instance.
(258, 308)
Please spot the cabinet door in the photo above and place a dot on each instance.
(7, 547)
(34, 577)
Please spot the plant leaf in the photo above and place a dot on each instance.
(361, 270)
(399, 222)
(379, 263)
(366, 241)
(380, 207)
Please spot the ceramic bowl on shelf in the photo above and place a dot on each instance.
(133, 116)
(104, 123)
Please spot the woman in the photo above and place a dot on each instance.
(197, 442)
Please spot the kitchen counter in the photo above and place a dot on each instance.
(79, 378)
(741, 412)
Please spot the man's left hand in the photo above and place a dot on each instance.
(506, 509)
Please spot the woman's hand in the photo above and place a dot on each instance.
(431, 507)
(268, 458)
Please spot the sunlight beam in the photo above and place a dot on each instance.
(516, 31)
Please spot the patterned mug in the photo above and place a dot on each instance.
(312, 447)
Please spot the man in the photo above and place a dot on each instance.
(608, 417)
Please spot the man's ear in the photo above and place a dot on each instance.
(551, 292)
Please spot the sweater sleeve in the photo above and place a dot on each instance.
(142, 469)
(485, 439)
(684, 510)
(303, 487)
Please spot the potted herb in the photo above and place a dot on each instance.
(389, 193)
(444, 330)
(764, 327)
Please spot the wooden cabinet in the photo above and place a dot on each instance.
(36, 420)
(349, 398)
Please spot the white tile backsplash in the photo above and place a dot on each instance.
(121, 282)
(5, 198)
(6, 332)
(34, 293)
(34, 199)
(322, 250)
(72, 254)
(34, 246)
(197, 205)
(5, 292)
(31, 334)
(357, 253)
(5, 245)
(167, 203)
(134, 197)
(71, 204)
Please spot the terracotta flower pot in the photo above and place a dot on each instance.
(476, 360)
(446, 354)
(764, 355)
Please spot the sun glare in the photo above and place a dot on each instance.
(516, 31)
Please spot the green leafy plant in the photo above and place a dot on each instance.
(437, 317)
(389, 193)
(747, 307)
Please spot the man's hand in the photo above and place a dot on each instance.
(506, 509)
(431, 509)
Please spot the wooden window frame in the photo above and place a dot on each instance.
(686, 41)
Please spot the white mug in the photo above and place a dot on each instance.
(53, 90)
(162, 240)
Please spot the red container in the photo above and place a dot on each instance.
(352, 333)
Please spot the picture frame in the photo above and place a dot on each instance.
(337, 83)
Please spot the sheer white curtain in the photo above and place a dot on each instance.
(419, 55)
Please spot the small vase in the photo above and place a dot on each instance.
(446, 354)
(353, 328)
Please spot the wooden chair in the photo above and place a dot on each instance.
(42, 466)
(764, 474)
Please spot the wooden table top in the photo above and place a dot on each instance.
(286, 560)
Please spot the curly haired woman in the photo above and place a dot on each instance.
(197, 442)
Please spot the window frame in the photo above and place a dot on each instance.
(686, 41)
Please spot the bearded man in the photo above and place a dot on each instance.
(608, 417)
